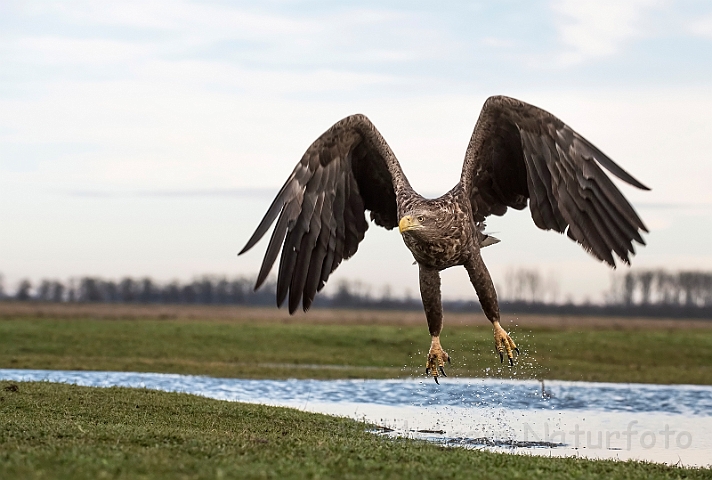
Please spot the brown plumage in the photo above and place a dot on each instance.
(518, 155)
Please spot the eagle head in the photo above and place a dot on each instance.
(421, 222)
(411, 222)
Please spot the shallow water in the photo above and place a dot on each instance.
(660, 423)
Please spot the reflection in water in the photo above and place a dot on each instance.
(662, 423)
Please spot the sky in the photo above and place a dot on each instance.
(149, 137)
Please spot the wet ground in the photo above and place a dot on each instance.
(661, 423)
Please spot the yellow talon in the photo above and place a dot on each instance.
(436, 359)
(504, 343)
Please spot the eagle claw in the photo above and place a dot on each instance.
(436, 360)
(504, 343)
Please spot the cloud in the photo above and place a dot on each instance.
(210, 20)
(257, 34)
(598, 28)
(191, 193)
(702, 27)
(55, 50)
(497, 42)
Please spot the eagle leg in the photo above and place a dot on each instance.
(432, 304)
(481, 280)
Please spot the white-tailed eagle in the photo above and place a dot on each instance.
(518, 155)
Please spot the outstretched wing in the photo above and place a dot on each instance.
(519, 152)
(320, 208)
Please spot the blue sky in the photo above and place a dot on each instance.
(146, 138)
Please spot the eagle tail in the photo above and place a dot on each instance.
(485, 240)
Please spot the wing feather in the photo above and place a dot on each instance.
(320, 209)
(296, 288)
(539, 183)
(322, 243)
(280, 231)
(567, 189)
(291, 190)
(595, 234)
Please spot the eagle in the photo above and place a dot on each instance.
(518, 155)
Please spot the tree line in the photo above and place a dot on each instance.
(639, 292)
(660, 287)
(206, 290)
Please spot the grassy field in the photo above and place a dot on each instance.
(63, 431)
(256, 345)
(60, 431)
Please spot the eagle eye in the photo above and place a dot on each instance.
(420, 218)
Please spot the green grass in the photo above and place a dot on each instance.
(64, 431)
(274, 350)
(60, 431)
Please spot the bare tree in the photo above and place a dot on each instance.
(645, 280)
(552, 288)
(614, 295)
(629, 282)
(650, 287)
(535, 285)
(528, 285)
(127, 290)
(222, 291)
(513, 286)
(57, 291)
(24, 291)
(44, 292)
(89, 290)
(147, 291)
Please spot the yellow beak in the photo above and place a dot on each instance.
(407, 223)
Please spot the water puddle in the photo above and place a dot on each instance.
(660, 423)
